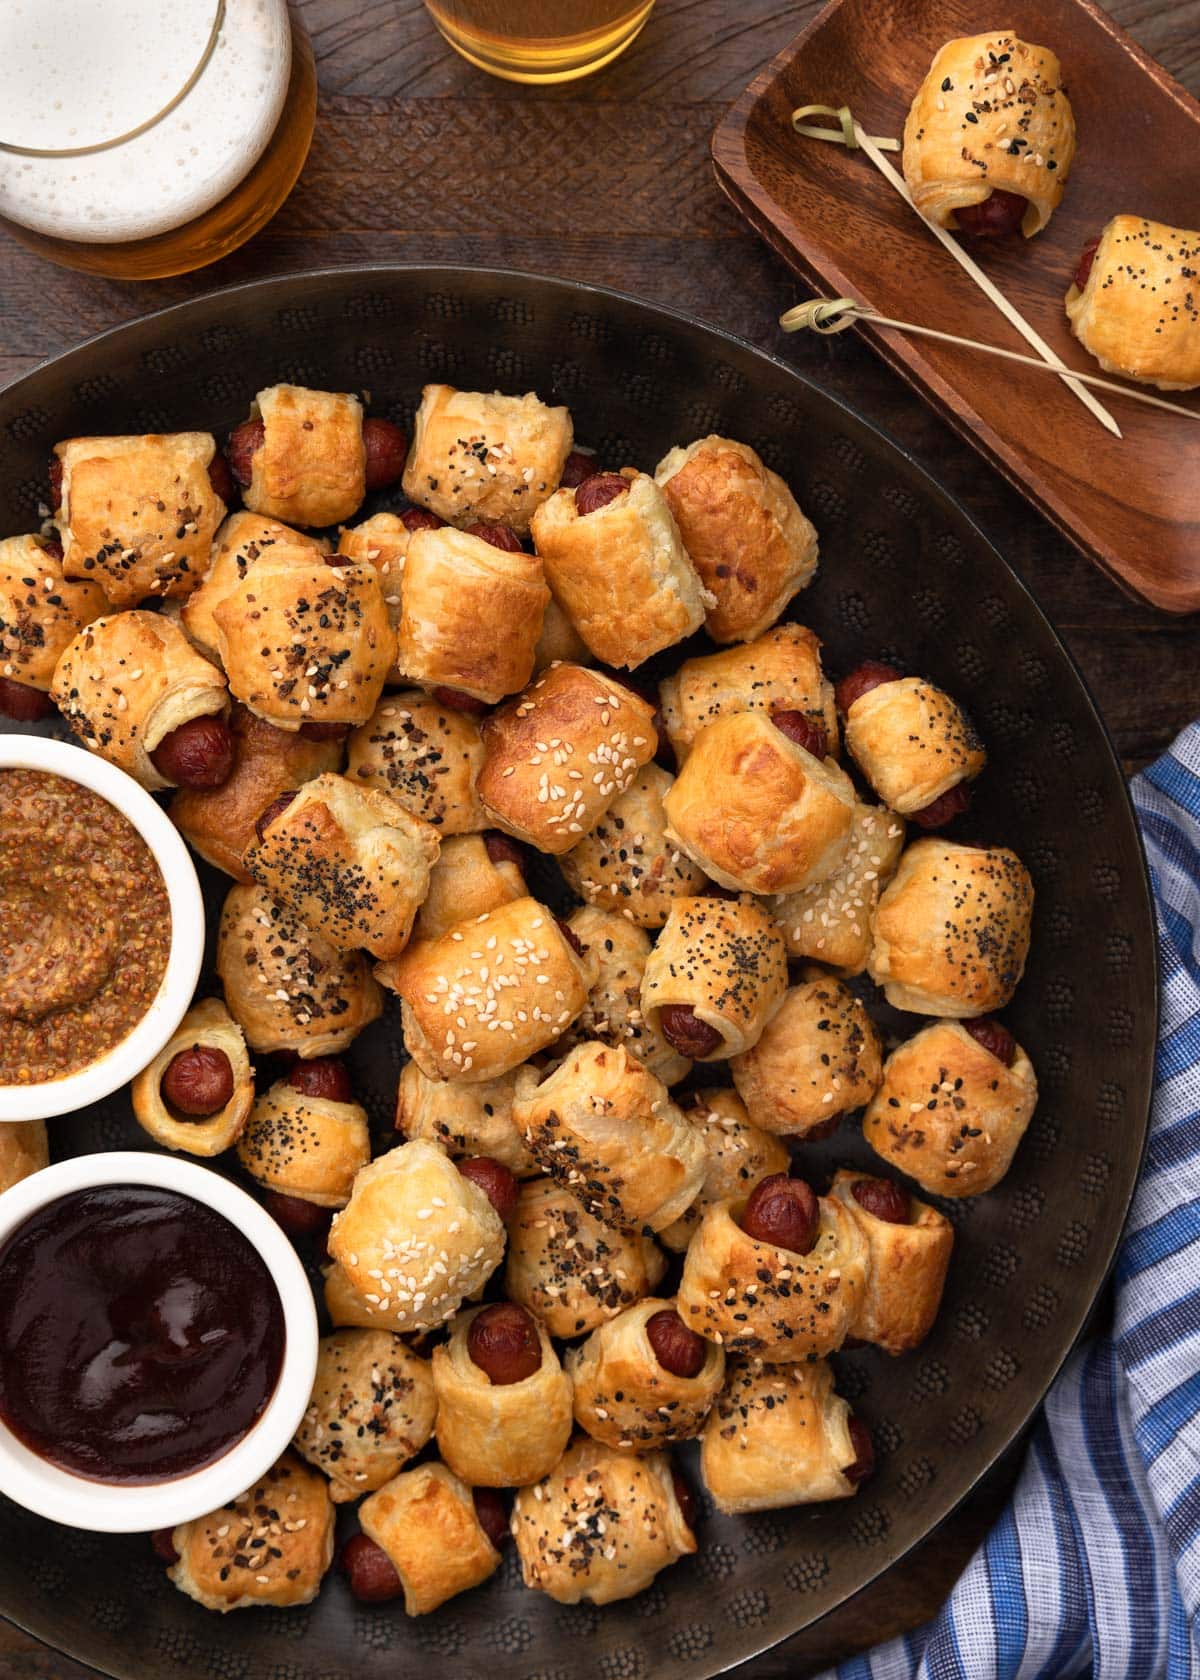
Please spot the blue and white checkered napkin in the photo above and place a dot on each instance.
(1094, 1567)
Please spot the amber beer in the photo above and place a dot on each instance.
(540, 40)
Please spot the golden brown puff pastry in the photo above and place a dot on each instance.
(470, 615)
(137, 514)
(350, 860)
(819, 1057)
(621, 572)
(490, 993)
(126, 682)
(310, 468)
(209, 1025)
(1138, 312)
(464, 884)
(778, 1435)
(949, 1113)
(499, 1434)
(237, 1557)
(304, 641)
(755, 1297)
(426, 756)
(23, 1150)
(601, 1526)
(626, 863)
(559, 754)
(559, 641)
(308, 1147)
(830, 921)
(746, 535)
(739, 1155)
(992, 115)
(951, 931)
(757, 812)
(478, 455)
(417, 1237)
(912, 743)
(41, 612)
(570, 1269)
(613, 1012)
(350, 1310)
(285, 986)
(779, 671)
(463, 1120)
(604, 1126)
(424, 1519)
(725, 960)
(372, 1409)
(239, 544)
(219, 822)
(624, 1395)
(381, 541)
(906, 1271)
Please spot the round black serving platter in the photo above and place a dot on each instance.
(905, 577)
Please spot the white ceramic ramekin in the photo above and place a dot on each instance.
(114, 1509)
(118, 1067)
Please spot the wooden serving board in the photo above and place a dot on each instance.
(1132, 504)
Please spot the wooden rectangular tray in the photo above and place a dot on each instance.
(1132, 504)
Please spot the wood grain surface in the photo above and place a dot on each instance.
(419, 158)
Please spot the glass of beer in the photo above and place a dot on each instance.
(540, 40)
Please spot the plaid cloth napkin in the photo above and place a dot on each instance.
(1094, 1567)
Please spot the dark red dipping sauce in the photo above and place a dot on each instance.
(141, 1335)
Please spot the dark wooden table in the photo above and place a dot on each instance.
(419, 158)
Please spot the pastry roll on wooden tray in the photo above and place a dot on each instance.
(830, 922)
(951, 931)
(909, 1245)
(304, 641)
(222, 1570)
(382, 542)
(1133, 302)
(778, 672)
(286, 986)
(643, 1380)
(758, 812)
(484, 997)
(953, 1105)
(482, 456)
(716, 975)
(818, 1058)
(474, 873)
(571, 1269)
(556, 1525)
(425, 1520)
(911, 741)
(310, 466)
(503, 1399)
(739, 1156)
(626, 863)
(777, 1436)
(416, 1237)
(127, 683)
(41, 611)
(560, 753)
(23, 1150)
(197, 1093)
(470, 615)
(137, 514)
(372, 1409)
(604, 1126)
(744, 531)
(990, 137)
(304, 1146)
(424, 755)
(619, 567)
(786, 1301)
(219, 823)
(613, 1012)
(350, 860)
(239, 544)
(464, 1120)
